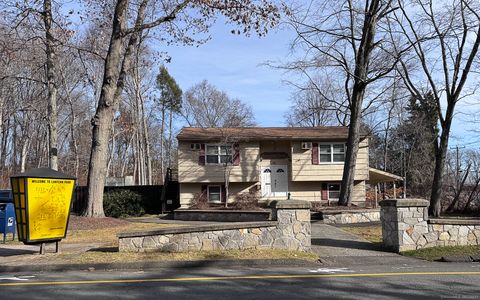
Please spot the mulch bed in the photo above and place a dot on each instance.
(85, 223)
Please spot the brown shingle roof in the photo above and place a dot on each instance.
(263, 133)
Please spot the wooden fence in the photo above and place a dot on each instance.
(151, 195)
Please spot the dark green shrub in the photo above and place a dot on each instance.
(123, 203)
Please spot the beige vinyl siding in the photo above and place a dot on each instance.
(311, 191)
(359, 195)
(190, 171)
(189, 190)
(303, 170)
(308, 191)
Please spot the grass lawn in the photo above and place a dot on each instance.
(102, 232)
(108, 234)
(371, 233)
(92, 257)
(436, 253)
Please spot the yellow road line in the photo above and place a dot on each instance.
(222, 278)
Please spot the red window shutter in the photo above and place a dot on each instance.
(204, 190)
(324, 191)
(236, 155)
(224, 194)
(314, 153)
(201, 155)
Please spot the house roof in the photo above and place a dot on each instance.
(264, 133)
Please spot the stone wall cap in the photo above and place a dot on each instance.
(454, 221)
(290, 204)
(198, 228)
(223, 211)
(347, 211)
(405, 202)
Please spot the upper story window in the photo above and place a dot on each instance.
(331, 153)
(217, 154)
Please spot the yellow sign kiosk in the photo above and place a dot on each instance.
(42, 199)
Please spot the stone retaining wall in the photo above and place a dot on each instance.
(221, 215)
(350, 217)
(290, 230)
(405, 226)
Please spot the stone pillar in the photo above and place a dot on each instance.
(404, 223)
(294, 228)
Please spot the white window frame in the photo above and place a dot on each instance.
(208, 193)
(328, 190)
(331, 154)
(219, 155)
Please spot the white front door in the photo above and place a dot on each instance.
(266, 182)
(275, 181)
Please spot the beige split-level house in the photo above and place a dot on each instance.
(303, 163)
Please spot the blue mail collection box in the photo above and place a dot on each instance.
(7, 214)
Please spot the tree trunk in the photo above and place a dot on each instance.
(112, 150)
(51, 85)
(24, 153)
(147, 144)
(435, 208)
(362, 61)
(346, 190)
(170, 138)
(451, 207)
(101, 122)
(162, 154)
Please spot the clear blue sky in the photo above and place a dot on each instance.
(234, 64)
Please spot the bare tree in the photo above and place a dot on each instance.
(206, 106)
(444, 38)
(343, 41)
(251, 15)
(312, 106)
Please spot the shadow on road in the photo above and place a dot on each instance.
(4, 252)
(347, 244)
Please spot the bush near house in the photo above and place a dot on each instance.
(123, 203)
(243, 201)
(246, 201)
(199, 201)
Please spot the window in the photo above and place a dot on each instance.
(218, 154)
(214, 193)
(333, 191)
(195, 147)
(331, 153)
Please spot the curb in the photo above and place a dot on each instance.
(158, 265)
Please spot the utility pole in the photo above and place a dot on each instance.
(457, 166)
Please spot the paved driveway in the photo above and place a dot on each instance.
(336, 246)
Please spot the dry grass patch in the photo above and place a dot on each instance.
(94, 257)
(108, 235)
(370, 233)
(436, 253)
(83, 230)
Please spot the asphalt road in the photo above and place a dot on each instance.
(404, 281)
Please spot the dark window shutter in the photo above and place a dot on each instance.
(236, 155)
(224, 194)
(314, 153)
(201, 155)
(324, 191)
